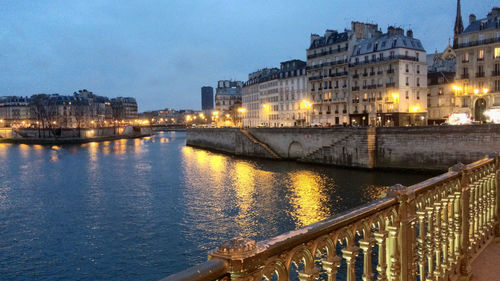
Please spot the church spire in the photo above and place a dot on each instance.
(459, 26)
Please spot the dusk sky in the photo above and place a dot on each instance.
(162, 52)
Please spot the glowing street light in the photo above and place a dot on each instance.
(242, 110)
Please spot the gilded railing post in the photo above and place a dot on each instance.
(465, 268)
(331, 267)
(366, 247)
(497, 194)
(350, 254)
(381, 266)
(234, 253)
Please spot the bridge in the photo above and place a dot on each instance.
(440, 229)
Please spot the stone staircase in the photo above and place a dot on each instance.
(317, 155)
(258, 142)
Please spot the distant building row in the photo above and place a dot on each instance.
(363, 76)
(82, 109)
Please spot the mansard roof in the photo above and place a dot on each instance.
(334, 37)
(386, 42)
(489, 23)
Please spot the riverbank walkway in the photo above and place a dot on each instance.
(443, 229)
(487, 265)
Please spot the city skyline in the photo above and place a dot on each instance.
(162, 59)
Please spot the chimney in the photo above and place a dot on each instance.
(314, 37)
(390, 30)
(472, 18)
(409, 33)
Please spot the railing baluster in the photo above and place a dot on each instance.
(366, 246)
(380, 239)
(350, 254)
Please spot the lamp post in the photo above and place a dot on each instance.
(307, 104)
(241, 112)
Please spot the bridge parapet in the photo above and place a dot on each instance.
(428, 231)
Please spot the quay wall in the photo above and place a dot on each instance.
(227, 140)
(416, 148)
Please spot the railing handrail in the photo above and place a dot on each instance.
(207, 271)
(293, 238)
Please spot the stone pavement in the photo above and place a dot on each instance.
(486, 267)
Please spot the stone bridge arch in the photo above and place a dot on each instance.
(295, 150)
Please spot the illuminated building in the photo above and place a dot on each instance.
(388, 74)
(440, 86)
(477, 80)
(273, 97)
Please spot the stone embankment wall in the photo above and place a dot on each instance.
(421, 148)
(228, 140)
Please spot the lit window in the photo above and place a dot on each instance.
(497, 52)
(480, 55)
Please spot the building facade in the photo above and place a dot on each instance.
(477, 80)
(294, 100)
(124, 108)
(440, 82)
(14, 110)
(228, 93)
(389, 80)
(207, 98)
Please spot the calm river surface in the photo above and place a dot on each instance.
(142, 209)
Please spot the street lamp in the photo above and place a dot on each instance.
(241, 111)
(306, 104)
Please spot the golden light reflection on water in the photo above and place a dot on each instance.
(308, 199)
(24, 149)
(3, 149)
(245, 192)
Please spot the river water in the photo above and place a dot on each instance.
(142, 209)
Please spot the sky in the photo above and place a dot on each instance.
(163, 52)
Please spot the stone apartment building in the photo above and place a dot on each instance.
(227, 94)
(13, 110)
(260, 98)
(440, 83)
(477, 80)
(357, 76)
(327, 72)
(275, 97)
(388, 74)
(293, 94)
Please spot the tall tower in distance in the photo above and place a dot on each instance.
(207, 98)
(459, 25)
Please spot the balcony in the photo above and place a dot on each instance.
(479, 74)
(355, 100)
(344, 111)
(365, 99)
(495, 73)
(371, 86)
(356, 88)
(355, 76)
(389, 71)
(399, 57)
(476, 43)
(344, 86)
(380, 72)
(336, 51)
(365, 74)
(372, 73)
(464, 76)
(379, 98)
(390, 85)
(465, 61)
(336, 111)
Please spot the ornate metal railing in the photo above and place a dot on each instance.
(428, 231)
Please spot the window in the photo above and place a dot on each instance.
(418, 68)
(418, 82)
(497, 53)
(407, 68)
(407, 81)
(407, 95)
(466, 57)
(480, 54)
